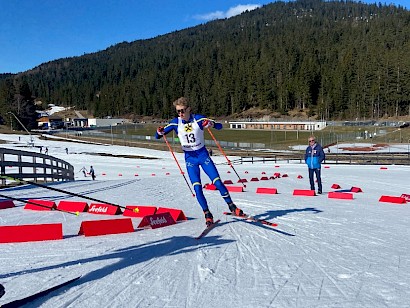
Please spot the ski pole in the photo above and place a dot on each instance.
(38, 204)
(182, 172)
(223, 153)
(64, 192)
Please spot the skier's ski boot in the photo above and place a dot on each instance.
(209, 219)
(235, 210)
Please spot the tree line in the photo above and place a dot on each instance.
(337, 59)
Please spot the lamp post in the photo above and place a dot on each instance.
(18, 120)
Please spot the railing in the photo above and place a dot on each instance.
(34, 166)
(126, 139)
(396, 158)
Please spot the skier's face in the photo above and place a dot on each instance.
(183, 112)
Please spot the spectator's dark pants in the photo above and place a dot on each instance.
(312, 180)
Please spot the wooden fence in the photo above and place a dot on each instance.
(33, 166)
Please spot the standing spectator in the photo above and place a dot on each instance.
(314, 157)
(210, 152)
(41, 149)
(92, 173)
(66, 150)
(46, 151)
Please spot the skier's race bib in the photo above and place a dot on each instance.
(190, 135)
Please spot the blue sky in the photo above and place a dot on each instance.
(37, 31)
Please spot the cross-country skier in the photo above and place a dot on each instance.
(190, 130)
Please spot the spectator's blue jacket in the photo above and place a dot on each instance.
(314, 156)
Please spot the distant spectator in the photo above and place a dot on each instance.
(66, 150)
(84, 171)
(46, 151)
(92, 173)
(210, 152)
(41, 149)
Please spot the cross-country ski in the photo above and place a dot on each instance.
(251, 218)
(207, 229)
(33, 297)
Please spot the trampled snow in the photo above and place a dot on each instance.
(324, 253)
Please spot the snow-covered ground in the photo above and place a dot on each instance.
(328, 253)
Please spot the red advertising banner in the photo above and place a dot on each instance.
(40, 205)
(72, 206)
(304, 192)
(210, 186)
(234, 188)
(104, 209)
(6, 204)
(406, 196)
(31, 233)
(157, 221)
(104, 227)
(175, 213)
(139, 210)
(265, 190)
(392, 199)
(340, 195)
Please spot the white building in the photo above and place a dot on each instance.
(291, 125)
(105, 122)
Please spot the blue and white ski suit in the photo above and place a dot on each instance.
(191, 137)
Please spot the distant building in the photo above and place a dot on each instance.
(105, 122)
(302, 125)
(82, 122)
(50, 122)
(85, 122)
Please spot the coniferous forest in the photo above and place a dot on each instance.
(339, 60)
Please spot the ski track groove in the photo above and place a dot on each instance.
(300, 283)
(331, 279)
(249, 252)
(237, 263)
(94, 287)
(197, 279)
(330, 259)
(193, 285)
(352, 289)
(281, 287)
